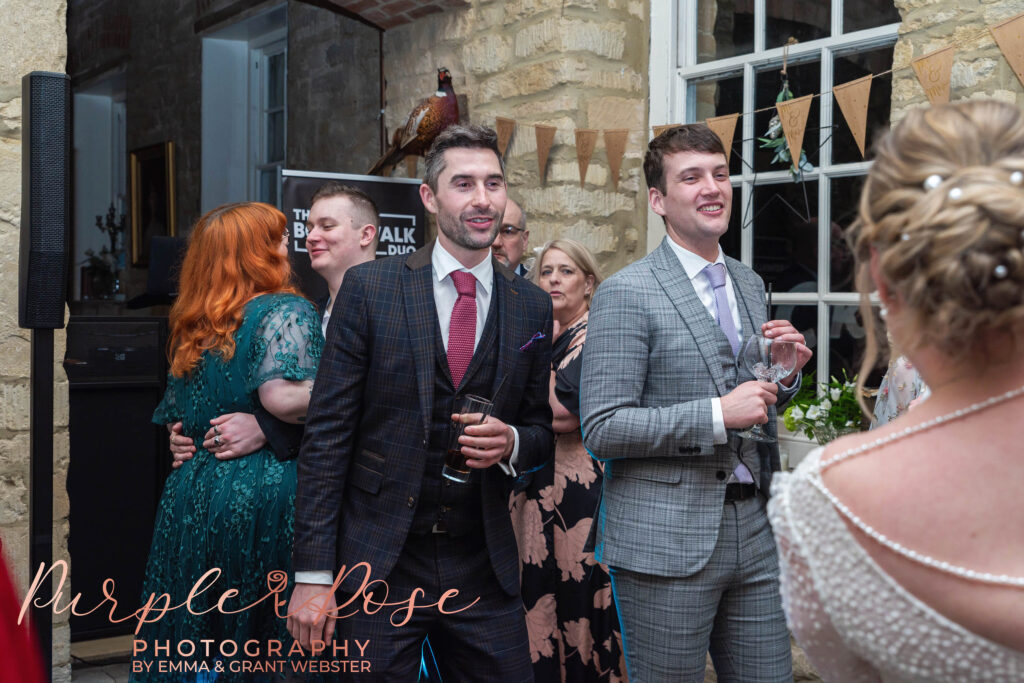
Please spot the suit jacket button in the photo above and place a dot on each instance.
(720, 475)
(411, 502)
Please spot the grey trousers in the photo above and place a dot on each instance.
(731, 608)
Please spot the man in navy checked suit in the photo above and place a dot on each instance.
(370, 486)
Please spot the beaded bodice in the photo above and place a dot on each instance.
(856, 622)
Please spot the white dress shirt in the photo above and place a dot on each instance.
(694, 266)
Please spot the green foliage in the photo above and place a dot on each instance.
(824, 411)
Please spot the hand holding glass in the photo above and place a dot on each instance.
(473, 410)
(767, 361)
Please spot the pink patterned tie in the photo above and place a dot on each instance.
(462, 328)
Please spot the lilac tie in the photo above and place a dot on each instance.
(462, 327)
(716, 276)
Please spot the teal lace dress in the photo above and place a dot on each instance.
(235, 515)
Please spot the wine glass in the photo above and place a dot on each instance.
(769, 361)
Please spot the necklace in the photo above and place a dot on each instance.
(896, 547)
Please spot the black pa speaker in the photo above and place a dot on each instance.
(45, 199)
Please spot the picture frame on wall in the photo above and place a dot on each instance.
(151, 172)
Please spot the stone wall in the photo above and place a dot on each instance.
(333, 91)
(572, 64)
(979, 68)
(32, 38)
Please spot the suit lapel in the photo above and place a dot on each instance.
(421, 317)
(673, 279)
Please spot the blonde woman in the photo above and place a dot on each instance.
(902, 549)
(574, 628)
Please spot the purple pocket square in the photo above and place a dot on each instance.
(535, 338)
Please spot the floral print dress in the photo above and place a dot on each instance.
(570, 615)
(901, 385)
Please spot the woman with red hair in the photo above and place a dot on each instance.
(240, 336)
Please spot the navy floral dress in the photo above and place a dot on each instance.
(235, 515)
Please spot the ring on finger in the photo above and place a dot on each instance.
(217, 440)
(216, 429)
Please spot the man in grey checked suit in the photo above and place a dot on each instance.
(409, 337)
(682, 523)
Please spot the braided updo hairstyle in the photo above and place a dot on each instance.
(943, 205)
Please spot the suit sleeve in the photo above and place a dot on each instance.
(284, 438)
(333, 417)
(616, 368)
(533, 420)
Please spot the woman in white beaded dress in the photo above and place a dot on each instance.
(902, 549)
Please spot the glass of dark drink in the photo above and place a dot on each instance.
(473, 410)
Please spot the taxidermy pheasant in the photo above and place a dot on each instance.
(427, 120)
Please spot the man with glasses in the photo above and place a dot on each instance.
(510, 244)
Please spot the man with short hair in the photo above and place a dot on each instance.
(417, 334)
(341, 232)
(682, 522)
(510, 244)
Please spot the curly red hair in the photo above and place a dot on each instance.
(234, 254)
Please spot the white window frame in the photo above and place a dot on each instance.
(260, 52)
(673, 62)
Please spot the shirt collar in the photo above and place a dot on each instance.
(444, 263)
(691, 262)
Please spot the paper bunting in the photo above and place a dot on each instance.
(545, 138)
(1009, 36)
(586, 139)
(853, 102)
(933, 70)
(793, 114)
(505, 127)
(725, 128)
(658, 130)
(614, 148)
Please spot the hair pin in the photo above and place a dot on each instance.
(1000, 271)
(956, 193)
(904, 236)
(932, 181)
(1017, 178)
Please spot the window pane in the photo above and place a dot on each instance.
(275, 136)
(851, 67)
(730, 241)
(805, 319)
(845, 195)
(804, 79)
(804, 21)
(724, 28)
(847, 338)
(861, 14)
(268, 185)
(275, 80)
(719, 97)
(786, 236)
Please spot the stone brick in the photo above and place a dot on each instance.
(967, 75)
(14, 407)
(571, 35)
(33, 39)
(487, 54)
(569, 171)
(14, 355)
(571, 200)
(14, 454)
(617, 112)
(13, 499)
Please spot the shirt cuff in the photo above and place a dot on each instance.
(323, 577)
(718, 433)
(509, 467)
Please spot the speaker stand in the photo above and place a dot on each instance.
(41, 482)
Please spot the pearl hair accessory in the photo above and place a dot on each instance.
(956, 193)
(1000, 271)
(1017, 178)
(904, 236)
(899, 549)
(932, 181)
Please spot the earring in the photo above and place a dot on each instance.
(883, 312)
